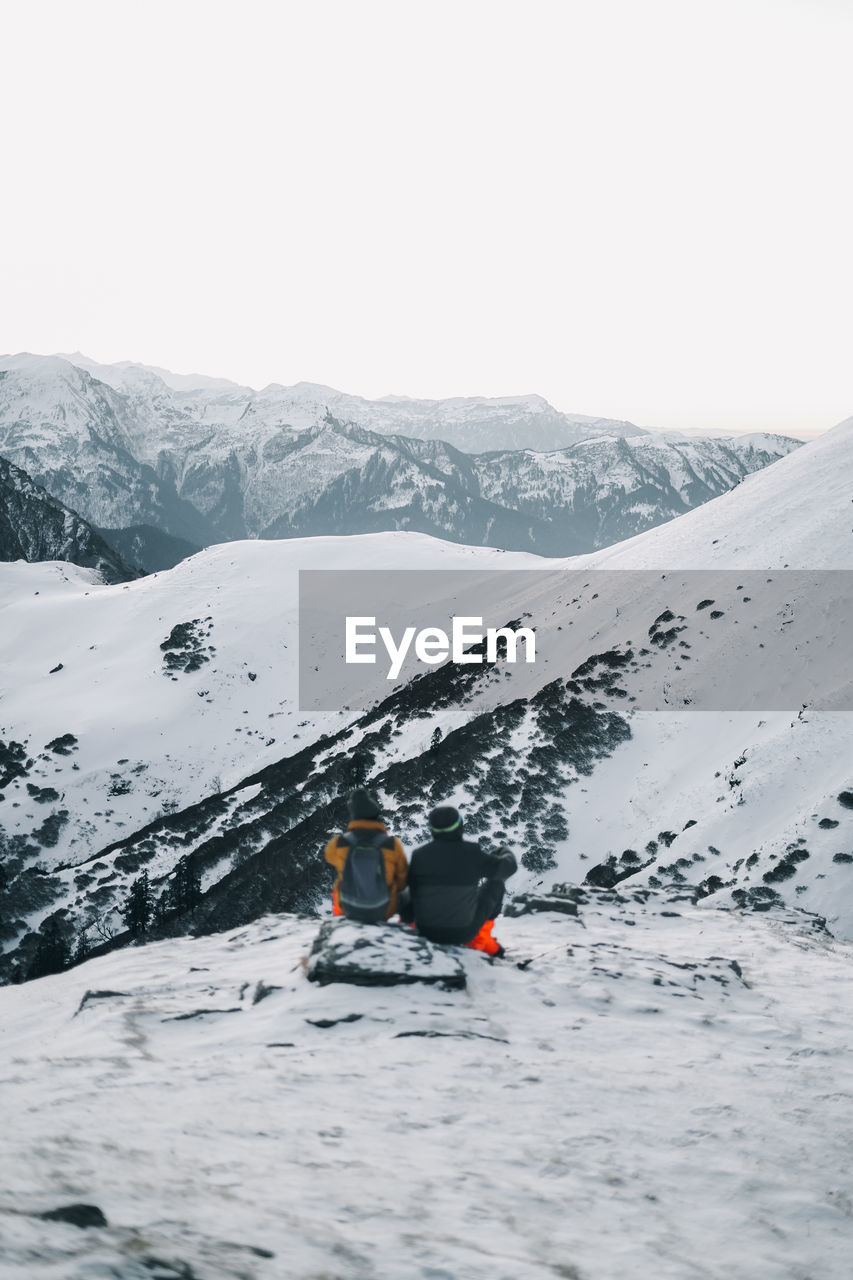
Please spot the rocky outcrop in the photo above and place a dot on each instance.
(384, 955)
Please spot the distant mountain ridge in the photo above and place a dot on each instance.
(208, 461)
(472, 424)
(341, 479)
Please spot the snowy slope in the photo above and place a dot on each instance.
(665, 1094)
(103, 731)
(150, 737)
(756, 786)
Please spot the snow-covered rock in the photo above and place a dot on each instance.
(389, 955)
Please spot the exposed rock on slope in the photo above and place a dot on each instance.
(380, 956)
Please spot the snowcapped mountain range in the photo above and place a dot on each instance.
(162, 463)
(146, 721)
(471, 424)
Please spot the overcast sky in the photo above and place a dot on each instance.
(637, 208)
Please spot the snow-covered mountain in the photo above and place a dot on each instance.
(664, 1094)
(171, 728)
(472, 424)
(85, 443)
(339, 478)
(205, 461)
(603, 491)
(34, 526)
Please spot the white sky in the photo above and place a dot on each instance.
(637, 209)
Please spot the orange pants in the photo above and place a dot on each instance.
(485, 940)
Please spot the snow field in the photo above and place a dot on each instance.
(628, 1106)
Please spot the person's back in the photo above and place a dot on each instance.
(457, 888)
(370, 863)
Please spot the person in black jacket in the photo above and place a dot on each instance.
(457, 888)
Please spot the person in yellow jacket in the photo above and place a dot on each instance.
(364, 811)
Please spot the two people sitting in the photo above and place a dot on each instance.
(451, 892)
